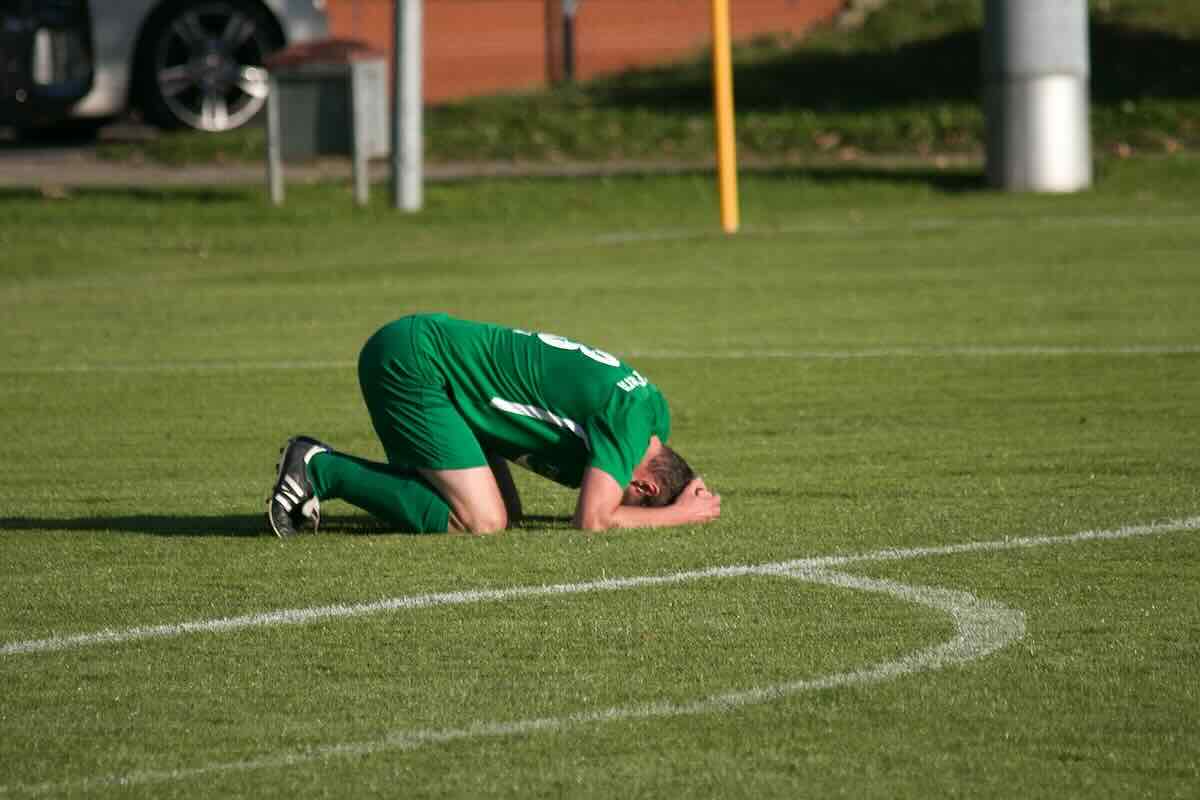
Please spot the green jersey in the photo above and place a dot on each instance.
(547, 403)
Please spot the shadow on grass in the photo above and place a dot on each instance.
(820, 80)
(151, 524)
(951, 180)
(228, 525)
(192, 195)
(957, 176)
(543, 522)
(1126, 63)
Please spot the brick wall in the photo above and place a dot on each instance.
(481, 46)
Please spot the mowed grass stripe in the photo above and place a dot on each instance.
(981, 627)
(299, 616)
(820, 378)
(932, 351)
(539, 242)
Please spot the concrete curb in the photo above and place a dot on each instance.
(58, 168)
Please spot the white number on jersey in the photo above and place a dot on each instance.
(563, 343)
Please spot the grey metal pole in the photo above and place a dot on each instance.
(407, 123)
(360, 140)
(274, 158)
(1036, 75)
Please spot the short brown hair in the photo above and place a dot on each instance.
(671, 473)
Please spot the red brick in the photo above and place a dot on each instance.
(481, 46)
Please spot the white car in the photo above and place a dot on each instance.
(182, 63)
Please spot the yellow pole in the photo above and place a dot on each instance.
(723, 102)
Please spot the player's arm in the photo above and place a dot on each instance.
(600, 507)
(508, 489)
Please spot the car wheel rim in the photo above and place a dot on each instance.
(208, 66)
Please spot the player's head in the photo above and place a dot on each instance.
(665, 476)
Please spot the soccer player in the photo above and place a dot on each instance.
(454, 401)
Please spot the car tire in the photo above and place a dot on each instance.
(199, 63)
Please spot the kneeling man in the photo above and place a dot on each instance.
(453, 401)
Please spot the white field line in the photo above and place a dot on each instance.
(300, 616)
(981, 628)
(931, 351)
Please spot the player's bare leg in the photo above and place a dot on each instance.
(474, 497)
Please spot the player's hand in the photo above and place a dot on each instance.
(698, 503)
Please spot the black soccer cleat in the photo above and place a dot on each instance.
(293, 503)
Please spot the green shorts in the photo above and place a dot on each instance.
(409, 403)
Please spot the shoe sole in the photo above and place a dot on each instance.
(274, 489)
(271, 522)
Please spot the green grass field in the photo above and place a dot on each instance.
(881, 360)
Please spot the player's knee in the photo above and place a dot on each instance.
(487, 521)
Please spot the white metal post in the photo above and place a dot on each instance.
(1036, 76)
(407, 106)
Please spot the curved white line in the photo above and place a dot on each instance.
(981, 628)
(300, 616)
